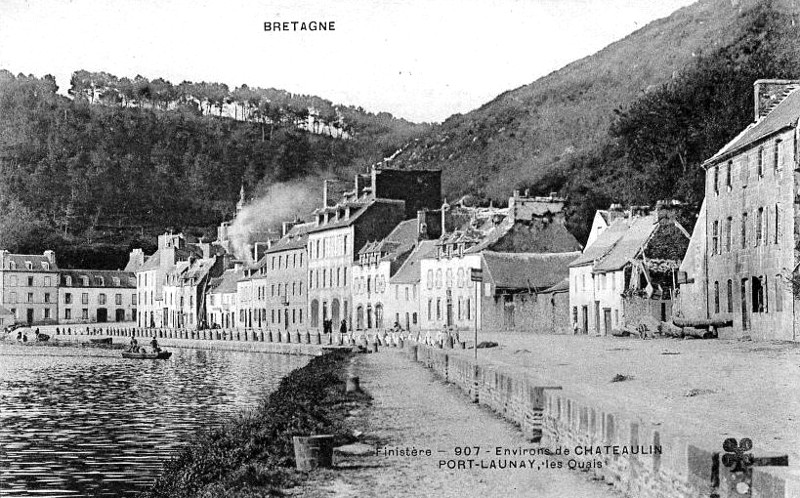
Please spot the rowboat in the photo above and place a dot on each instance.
(163, 355)
(105, 340)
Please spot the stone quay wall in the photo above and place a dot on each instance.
(263, 341)
(688, 465)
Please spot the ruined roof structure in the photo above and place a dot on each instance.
(526, 270)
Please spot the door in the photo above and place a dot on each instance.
(585, 321)
(286, 318)
(449, 309)
(606, 321)
(120, 315)
(30, 316)
(102, 315)
(597, 317)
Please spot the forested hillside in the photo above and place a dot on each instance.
(630, 124)
(116, 164)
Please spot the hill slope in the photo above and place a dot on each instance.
(534, 134)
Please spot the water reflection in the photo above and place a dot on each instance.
(85, 422)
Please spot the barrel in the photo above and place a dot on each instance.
(311, 452)
(353, 385)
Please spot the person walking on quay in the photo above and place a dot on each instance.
(343, 327)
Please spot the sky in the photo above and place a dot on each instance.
(422, 60)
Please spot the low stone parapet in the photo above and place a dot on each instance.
(640, 458)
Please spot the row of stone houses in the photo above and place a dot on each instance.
(34, 291)
(387, 252)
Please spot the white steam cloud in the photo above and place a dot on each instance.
(279, 202)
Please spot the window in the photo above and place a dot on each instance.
(430, 281)
(776, 155)
(757, 292)
(744, 230)
(29, 297)
(12, 265)
(46, 313)
(67, 313)
(13, 298)
(118, 299)
(47, 297)
(715, 238)
(438, 308)
(716, 179)
(84, 314)
(101, 299)
(728, 228)
(759, 225)
(85, 298)
(716, 297)
(730, 296)
(745, 172)
(777, 222)
(12, 280)
(30, 281)
(778, 293)
(430, 307)
(760, 165)
(68, 281)
(47, 281)
(116, 281)
(469, 307)
(728, 171)
(29, 265)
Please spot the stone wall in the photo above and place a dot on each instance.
(686, 466)
(533, 313)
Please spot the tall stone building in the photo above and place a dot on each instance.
(737, 273)
(286, 279)
(379, 201)
(29, 287)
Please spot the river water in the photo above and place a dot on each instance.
(86, 422)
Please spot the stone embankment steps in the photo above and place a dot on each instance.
(688, 465)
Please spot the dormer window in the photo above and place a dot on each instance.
(12, 265)
(45, 265)
(116, 281)
(29, 265)
(85, 281)
(100, 281)
(68, 281)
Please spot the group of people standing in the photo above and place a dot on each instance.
(327, 326)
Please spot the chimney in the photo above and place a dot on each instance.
(769, 93)
(668, 210)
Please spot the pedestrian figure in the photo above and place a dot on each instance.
(343, 327)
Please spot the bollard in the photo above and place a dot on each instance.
(313, 452)
(463, 345)
(317, 339)
(449, 342)
(374, 347)
(297, 337)
(400, 343)
(308, 337)
(353, 384)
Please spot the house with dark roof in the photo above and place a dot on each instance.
(629, 271)
(402, 299)
(96, 296)
(525, 291)
(377, 262)
(221, 299)
(448, 295)
(29, 287)
(737, 277)
(379, 201)
(185, 287)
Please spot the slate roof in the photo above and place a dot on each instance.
(527, 270)
(127, 280)
(409, 272)
(154, 261)
(226, 284)
(296, 238)
(560, 287)
(784, 115)
(604, 243)
(400, 240)
(629, 245)
(363, 208)
(36, 260)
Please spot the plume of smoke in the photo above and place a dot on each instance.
(276, 203)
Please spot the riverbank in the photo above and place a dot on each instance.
(253, 455)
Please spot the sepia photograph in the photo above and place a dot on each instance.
(400, 248)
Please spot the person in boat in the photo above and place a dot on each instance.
(154, 345)
(134, 345)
